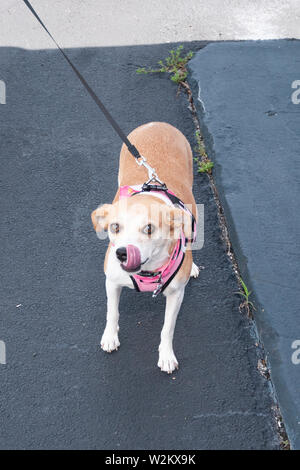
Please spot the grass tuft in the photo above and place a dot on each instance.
(204, 164)
(246, 305)
(174, 64)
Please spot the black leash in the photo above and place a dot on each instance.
(132, 149)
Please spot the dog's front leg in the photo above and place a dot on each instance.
(167, 360)
(110, 340)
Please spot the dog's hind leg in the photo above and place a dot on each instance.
(110, 340)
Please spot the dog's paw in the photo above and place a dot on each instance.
(194, 271)
(167, 361)
(109, 341)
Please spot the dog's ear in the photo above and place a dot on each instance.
(179, 219)
(100, 217)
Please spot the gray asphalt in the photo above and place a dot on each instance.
(251, 128)
(59, 160)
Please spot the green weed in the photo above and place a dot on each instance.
(174, 64)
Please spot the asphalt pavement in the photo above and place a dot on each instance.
(249, 111)
(59, 160)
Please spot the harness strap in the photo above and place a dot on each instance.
(157, 281)
(174, 200)
(161, 284)
(132, 149)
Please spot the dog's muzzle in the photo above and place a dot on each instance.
(129, 257)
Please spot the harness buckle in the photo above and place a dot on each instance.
(157, 290)
(154, 187)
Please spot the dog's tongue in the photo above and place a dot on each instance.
(133, 261)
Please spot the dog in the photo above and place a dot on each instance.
(150, 231)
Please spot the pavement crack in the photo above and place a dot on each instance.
(284, 443)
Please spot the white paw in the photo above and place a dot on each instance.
(110, 341)
(167, 361)
(194, 271)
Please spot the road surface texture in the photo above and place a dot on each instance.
(251, 125)
(59, 160)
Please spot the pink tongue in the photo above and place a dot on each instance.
(133, 261)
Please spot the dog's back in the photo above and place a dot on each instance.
(168, 151)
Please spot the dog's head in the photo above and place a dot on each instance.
(142, 230)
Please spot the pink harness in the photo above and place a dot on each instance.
(157, 281)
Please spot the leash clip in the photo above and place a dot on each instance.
(152, 175)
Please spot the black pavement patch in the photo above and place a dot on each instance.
(59, 160)
(251, 129)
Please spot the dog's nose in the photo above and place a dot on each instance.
(122, 254)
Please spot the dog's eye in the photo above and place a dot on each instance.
(114, 228)
(148, 229)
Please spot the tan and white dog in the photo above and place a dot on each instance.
(144, 229)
